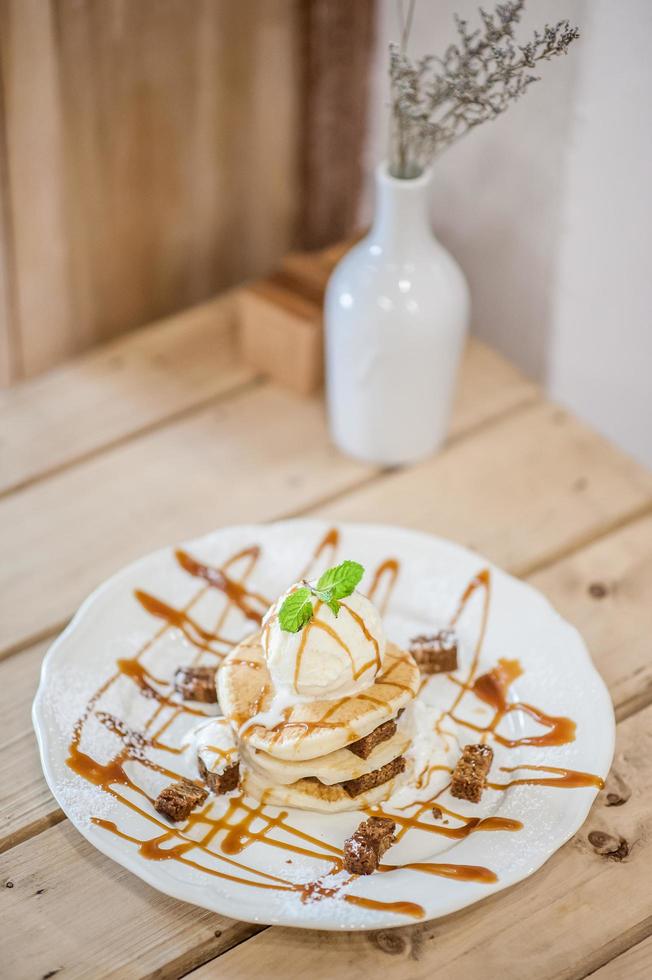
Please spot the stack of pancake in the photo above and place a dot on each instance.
(327, 755)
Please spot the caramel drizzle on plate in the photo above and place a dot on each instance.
(219, 839)
(562, 778)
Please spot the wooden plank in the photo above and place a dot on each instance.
(130, 172)
(616, 628)
(118, 390)
(178, 481)
(557, 922)
(44, 309)
(338, 48)
(26, 804)
(635, 964)
(605, 591)
(174, 483)
(9, 346)
(82, 915)
(489, 386)
(151, 375)
(529, 489)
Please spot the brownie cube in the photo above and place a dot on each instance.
(196, 684)
(354, 787)
(364, 849)
(470, 776)
(365, 745)
(177, 800)
(221, 780)
(436, 653)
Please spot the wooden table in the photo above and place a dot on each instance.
(165, 434)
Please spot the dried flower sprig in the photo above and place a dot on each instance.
(435, 101)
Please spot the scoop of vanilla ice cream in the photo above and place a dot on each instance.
(331, 656)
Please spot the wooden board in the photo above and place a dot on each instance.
(188, 477)
(606, 591)
(146, 167)
(152, 376)
(528, 489)
(168, 485)
(26, 804)
(117, 391)
(84, 916)
(635, 964)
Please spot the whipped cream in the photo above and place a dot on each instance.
(331, 656)
(429, 758)
(213, 738)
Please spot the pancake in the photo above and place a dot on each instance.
(309, 794)
(329, 769)
(315, 728)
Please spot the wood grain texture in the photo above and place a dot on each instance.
(150, 376)
(200, 471)
(117, 390)
(9, 351)
(555, 922)
(26, 804)
(152, 159)
(281, 336)
(37, 256)
(616, 629)
(165, 129)
(337, 48)
(534, 486)
(170, 484)
(605, 590)
(82, 915)
(635, 964)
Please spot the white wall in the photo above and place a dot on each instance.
(600, 358)
(548, 211)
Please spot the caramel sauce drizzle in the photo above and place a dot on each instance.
(387, 571)
(221, 838)
(236, 592)
(460, 872)
(368, 637)
(563, 779)
(198, 636)
(492, 688)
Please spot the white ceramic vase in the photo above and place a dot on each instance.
(396, 315)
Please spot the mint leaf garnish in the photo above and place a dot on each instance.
(296, 611)
(336, 583)
(341, 580)
(333, 605)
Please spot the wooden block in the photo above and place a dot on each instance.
(304, 273)
(281, 335)
(331, 256)
(281, 319)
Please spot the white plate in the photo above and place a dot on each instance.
(558, 677)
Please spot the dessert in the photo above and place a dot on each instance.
(178, 800)
(364, 849)
(316, 719)
(470, 775)
(435, 654)
(313, 699)
(196, 684)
